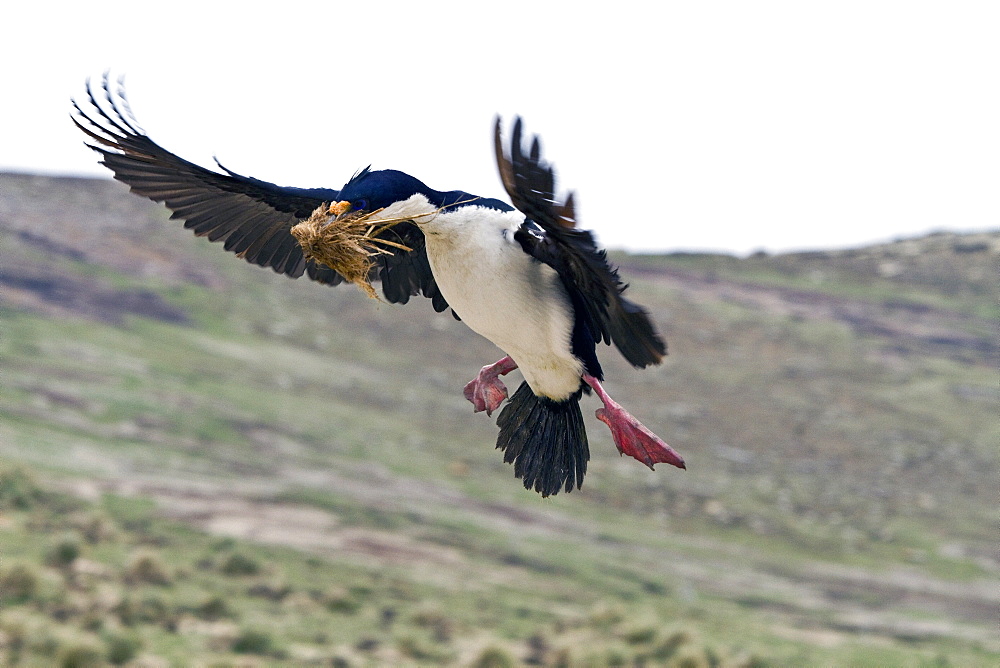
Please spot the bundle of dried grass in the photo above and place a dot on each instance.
(346, 242)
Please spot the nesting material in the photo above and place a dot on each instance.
(347, 243)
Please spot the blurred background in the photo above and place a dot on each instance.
(204, 463)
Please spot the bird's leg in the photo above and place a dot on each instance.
(486, 391)
(631, 437)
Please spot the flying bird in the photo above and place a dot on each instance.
(524, 276)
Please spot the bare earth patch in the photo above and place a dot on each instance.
(824, 603)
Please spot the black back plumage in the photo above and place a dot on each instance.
(251, 217)
(593, 285)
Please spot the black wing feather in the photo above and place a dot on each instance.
(250, 216)
(594, 286)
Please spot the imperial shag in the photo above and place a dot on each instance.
(523, 276)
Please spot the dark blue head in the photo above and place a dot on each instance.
(368, 190)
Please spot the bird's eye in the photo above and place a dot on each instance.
(360, 204)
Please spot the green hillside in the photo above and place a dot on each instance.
(205, 463)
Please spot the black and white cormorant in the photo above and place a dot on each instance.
(523, 276)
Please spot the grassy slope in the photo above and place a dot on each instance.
(837, 412)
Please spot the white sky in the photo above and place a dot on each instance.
(727, 126)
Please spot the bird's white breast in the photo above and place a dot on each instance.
(505, 295)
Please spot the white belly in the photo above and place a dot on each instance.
(505, 296)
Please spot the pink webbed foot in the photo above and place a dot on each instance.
(632, 437)
(486, 391)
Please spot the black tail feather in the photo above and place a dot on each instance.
(545, 440)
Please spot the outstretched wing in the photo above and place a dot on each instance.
(593, 284)
(251, 217)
